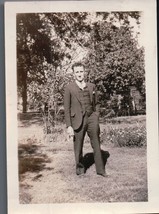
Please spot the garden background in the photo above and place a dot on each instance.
(110, 46)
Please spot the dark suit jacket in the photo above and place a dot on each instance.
(72, 105)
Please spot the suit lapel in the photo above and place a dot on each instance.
(75, 91)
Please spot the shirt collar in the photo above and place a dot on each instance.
(81, 85)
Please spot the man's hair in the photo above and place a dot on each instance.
(77, 64)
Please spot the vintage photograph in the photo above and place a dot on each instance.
(75, 72)
(81, 106)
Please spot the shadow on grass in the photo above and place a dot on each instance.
(31, 164)
(30, 160)
(88, 159)
(30, 118)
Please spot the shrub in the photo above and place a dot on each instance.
(129, 136)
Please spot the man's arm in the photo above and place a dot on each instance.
(67, 100)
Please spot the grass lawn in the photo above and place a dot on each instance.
(47, 165)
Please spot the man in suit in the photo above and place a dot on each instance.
(81, 116)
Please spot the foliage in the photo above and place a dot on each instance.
(43, 40)
(48, 44)
(33, 47)
(122, 135)
(128, 136)
(116, 58)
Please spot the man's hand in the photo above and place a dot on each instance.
(70, 131)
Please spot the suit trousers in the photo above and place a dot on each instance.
(90, 125)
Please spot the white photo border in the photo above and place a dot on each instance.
(150, 42)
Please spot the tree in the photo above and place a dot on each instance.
(33, 47)
(44, 41)
(48, 44)
(115, 56)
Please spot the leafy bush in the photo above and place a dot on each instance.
(129, 136)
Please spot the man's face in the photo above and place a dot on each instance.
(78, 72)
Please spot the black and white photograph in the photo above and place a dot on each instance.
(81, 102)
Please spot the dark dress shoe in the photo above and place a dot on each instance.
(80, 169)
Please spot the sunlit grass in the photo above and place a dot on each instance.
(126, 166)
